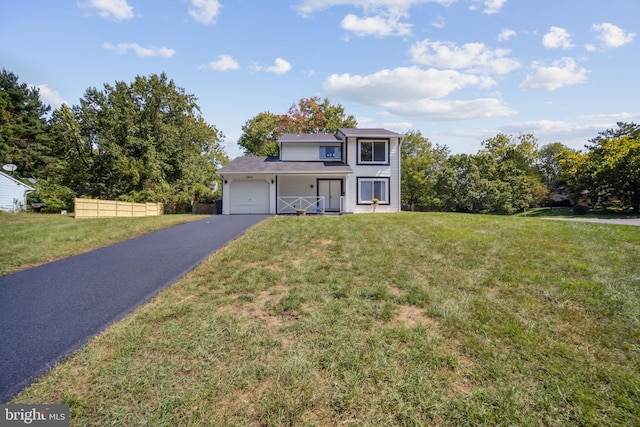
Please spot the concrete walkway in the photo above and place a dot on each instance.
(618, 221)
(49, 311)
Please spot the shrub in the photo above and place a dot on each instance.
(580, 210)
(56, 197)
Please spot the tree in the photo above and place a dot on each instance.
(518, 157)
(614, 165)
(310, 115)
(624, 129)
(549, 164)
(420, 162)
(607, 174)
(144, 141)
(24, 135)
(260, 134)
(460, 186)
(482, 182)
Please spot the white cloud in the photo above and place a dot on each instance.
(563, 72)
(49, 96)
(399, 84)
(224, 63)
(369, 122)
(381, 17)
(490, 6)
(123, 48)
(309, 7)
(280, 66)
(493, 6)
(557, 38)
(117, 10)
(506, 34)
(439, 22)
(475, 57)
(377, 26)
(431, 109)
(612, 35)
(205, 11)
(413, 92)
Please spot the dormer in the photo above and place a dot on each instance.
(321, 147)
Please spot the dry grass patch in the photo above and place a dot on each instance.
(409, 316)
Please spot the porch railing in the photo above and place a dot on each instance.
(291, 204)
(310, 204)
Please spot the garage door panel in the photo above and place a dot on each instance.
(249, 197)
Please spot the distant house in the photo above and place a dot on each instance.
(13, 194)
(318, 173)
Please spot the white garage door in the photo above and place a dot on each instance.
(249, 197)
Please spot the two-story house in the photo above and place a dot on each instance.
(318, 173)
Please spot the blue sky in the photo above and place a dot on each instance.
(459, 71)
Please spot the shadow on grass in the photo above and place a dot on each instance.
(568, 213)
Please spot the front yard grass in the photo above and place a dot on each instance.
(568, 213)
(27, 240)
(378, 319)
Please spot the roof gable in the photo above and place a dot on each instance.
(9, 177)
(308, 137)
(369, 133)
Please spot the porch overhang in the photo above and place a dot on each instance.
(254, 165)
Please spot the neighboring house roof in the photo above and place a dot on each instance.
(27, 187)
(369, 133)
(261, 164)
(308, 137)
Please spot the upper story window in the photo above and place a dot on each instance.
(330, 153)
(373, 152)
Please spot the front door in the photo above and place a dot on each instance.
(331, 190)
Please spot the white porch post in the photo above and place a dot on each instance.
(273, 195)
(226, 202)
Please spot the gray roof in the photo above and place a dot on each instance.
(347, 132)
(308, 137)
(261, 164)
(369, 132)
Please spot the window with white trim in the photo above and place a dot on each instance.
(373, 152)
(329, 152)
(370, 188)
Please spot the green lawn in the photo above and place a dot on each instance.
(27, 240)
(568, 213)
(378, 319)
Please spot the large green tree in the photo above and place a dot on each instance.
(260, 134)
(517, 158)
(24, 135)
(616, 171)
(549, 164)
(607, 174)
(420, 161)
(310, 115)
(500, 178)
(141, 141)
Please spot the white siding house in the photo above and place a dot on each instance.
(13, 194)
(318, 173)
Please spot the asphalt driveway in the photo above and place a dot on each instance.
(49, 311)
